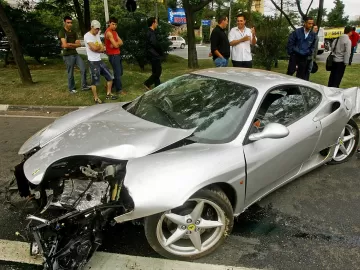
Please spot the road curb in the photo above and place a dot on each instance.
(31, 108)
(15, 251)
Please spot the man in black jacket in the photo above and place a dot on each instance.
(154, 54)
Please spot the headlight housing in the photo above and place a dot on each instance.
(32, 142)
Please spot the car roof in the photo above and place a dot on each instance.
(260, 79)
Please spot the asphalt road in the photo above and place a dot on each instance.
(311, 223)
(203, 53)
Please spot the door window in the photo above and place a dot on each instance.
(311, 96)
(284, 106)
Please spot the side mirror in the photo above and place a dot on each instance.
(271, 131)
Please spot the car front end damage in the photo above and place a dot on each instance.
(81, 195)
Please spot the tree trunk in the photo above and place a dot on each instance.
(249, 10)
(283, 12)
(16, 50)
(87, 15)
(192, 53)
(80, 17)
(320, 13)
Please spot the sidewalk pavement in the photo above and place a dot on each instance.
(30, 110)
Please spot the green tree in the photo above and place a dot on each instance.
(9, 31)
(37, 40)
(314, 13)
(336, 16)
(191, 8)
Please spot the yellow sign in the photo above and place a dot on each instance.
(332, 33)
(191, 227)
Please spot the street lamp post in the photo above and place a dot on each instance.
(106, 8)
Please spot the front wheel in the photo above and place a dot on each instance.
(193, 230)
(182, 46)
(346, 144)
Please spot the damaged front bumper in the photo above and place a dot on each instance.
(80, 209)
(69, 241)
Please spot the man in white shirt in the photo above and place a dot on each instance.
(94, 48)
(240, 39)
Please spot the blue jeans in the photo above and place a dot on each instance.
(221, 62)
(116, 63)
(98, 68)
(71, 61)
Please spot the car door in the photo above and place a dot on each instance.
(333, 116)
(180, 40)
(173, 41)
(271, 162)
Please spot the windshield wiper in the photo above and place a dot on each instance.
(171, 119)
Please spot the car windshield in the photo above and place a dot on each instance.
(216, 109)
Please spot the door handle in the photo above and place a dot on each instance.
(327, 110)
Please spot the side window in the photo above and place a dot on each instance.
(283, 106)
(173, 38)
(179, 38)
(312, 97)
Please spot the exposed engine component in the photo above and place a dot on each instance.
(89, 196)
(83, 194)
(68, 242)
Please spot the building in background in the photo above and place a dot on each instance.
(258, 6)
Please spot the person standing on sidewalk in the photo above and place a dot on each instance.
(241, 38)
(300, 47)
(113, 43)
(341, 49)
(354, 41)
(220, 46)
(69, 43)
(94, 48)
(154, 54)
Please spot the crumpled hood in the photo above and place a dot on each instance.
(63, 124)
(113, 133)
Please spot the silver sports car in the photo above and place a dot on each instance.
(183, 159)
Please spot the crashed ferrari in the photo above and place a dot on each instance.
(183, 159)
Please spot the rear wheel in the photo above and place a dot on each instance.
(346, 144)
(182, 46)
(193, 230)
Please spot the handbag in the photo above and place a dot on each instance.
(330, 58)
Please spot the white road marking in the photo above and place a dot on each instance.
(4, 107)
(15, 251)
(29, 116)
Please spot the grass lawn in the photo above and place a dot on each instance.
(50, 87)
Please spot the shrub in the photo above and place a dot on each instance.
(206, 33)
(132, 29)
(271, 43)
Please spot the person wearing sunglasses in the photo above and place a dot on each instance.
(69, 42)
(94, 48)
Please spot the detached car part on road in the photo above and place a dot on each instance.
(184, 158)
